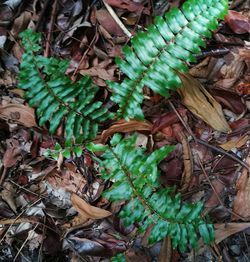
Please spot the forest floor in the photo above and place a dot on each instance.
(38, 220)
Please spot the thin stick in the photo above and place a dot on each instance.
(117, 19)
(51, 25)
(197, 140)
(215, 192)
(222, 151)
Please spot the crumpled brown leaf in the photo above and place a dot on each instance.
(222, 231)
(235, 143)
(107, 21)
(129, 5)
(12, 153)
(241, 204)
(86, 210)
(22, 114)
(198, 100)
(8, 195)
(124, 127)
(238, 22)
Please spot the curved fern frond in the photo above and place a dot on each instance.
(135, 176)
(58, 99)
(168, 45)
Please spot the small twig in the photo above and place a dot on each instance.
(182, 120)
(51, 25)
(222, 151)
(215, 192)
(117, 19)
(26, 240)
(197, 140)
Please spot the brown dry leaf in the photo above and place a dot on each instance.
(241, 141)
(124, 127)
(132, 6)
(107, 21)
(22, 114)
(237, 22)
(67, 180)
(21, 23)
(86, 210)
(241, 204)
(230, 71)
(222, 231)
(12, 154)
(197, 99)
(8, 195)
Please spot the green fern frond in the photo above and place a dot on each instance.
(168, 45)
(135, 176)
(56, 98)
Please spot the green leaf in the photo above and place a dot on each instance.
(57, 99)
(154, 57)
(135, 179)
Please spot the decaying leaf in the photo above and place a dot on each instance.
(198, 100)
(222, 231)
(86, 210)
(241, 204)
(238, 22)
(19, 113)
(235, 143)
(8, 195)
(124, 127)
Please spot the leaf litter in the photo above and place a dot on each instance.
(54, 210)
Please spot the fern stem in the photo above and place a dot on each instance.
(143, 201)
(149, 66)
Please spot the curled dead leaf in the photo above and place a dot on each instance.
(222, 231)
(235, 143)
(198, 100)
(86, 210)
(241, 204)
(238, 22)
(124, 127)
(19, 113)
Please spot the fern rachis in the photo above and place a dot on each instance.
(135, 176)
(167, 46)
(58, 99)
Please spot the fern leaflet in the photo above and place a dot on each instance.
(58, 99)
(135, 176)
(167, 46)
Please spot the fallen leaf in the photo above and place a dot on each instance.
(124, 127)
(237, 22)
(12, 154)
(86, 210)
(235, 143)
(167, 120)
(222, 231)
(241, 205)
(22, 114)
(21, 23)
(213, 200)
(229, 100)
(8, 195)
(107, 21)
(199, 101)
(243, 89)
(129, 5)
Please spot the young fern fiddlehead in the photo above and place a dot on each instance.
(56, 98)
(135, 176)
(166, 47)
